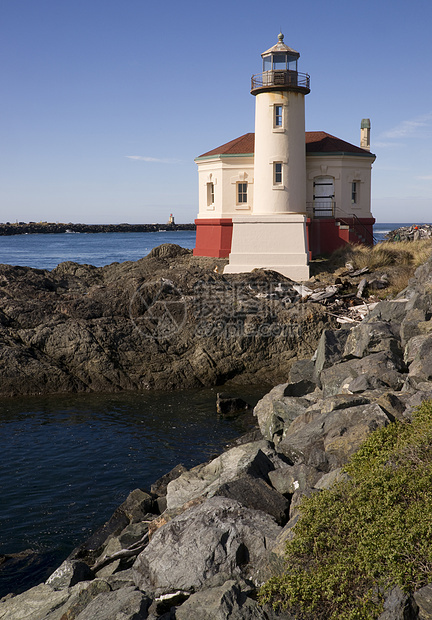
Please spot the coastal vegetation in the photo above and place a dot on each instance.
(368, 533)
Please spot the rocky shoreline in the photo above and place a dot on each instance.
(167, 321)
(410, 233)
(45, 228)
(199, 543)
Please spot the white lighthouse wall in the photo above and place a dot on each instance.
(276, 242)
(225, 172)
(344, 169)
(284, 144)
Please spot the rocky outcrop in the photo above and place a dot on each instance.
(410, 233)
(226, 521)
(166, 321)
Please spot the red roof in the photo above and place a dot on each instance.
(316, 142)
(322, 142)
(239, 146)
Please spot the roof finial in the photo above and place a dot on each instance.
(280, 36)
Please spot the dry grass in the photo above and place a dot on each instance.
(398, 260)
(412, 253)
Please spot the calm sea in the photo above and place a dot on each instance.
(47, 251)
(68, 461)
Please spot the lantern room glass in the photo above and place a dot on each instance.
(280, 62)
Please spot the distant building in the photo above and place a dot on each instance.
(171, 219)
(277, 197)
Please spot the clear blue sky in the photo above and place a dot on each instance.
(105, 103)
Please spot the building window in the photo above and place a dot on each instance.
(354, 192)
(210, 194)
(241, 193)
(278, 116)
(277, 173)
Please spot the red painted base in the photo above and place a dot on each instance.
(213, 237)
(327, 235)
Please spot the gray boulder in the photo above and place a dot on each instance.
(276, 410)
(399, 606)
(219, 537)
(80, 596)
(393, 311)
(328, 480)
(371, 337)
(160, 486)
(412, 324)
(34, 604)
(255, 459)
(230, 601)
(327, 440)
(419, 350)
(125, 604)
(302, 370)
(288, 480)
(256, 494)
(423, 599)
(330, 348)
(378, 370)
(44, 603)
(70, 573)
(341, 401)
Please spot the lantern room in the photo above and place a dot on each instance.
(280, 69)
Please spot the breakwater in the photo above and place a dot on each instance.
(22, 228)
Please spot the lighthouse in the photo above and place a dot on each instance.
(274, 236)
(276, 197)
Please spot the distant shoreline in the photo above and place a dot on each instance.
(23, 228)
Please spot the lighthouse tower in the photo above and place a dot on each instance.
(274, 235)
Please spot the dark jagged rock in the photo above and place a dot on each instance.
(227, 404)
(166, 321)
(256, 494)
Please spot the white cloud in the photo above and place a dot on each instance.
(409, 128)
(427, 177)
(153, 159)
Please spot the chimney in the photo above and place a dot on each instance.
(365, 134)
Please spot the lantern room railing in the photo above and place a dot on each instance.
(276, 78)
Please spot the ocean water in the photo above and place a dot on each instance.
(47, 251)
(68, 461)
(99, 249)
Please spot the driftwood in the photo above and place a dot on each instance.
(362, 287)
(357, 313)
(128, 552)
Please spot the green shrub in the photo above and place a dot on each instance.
(366, 534)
